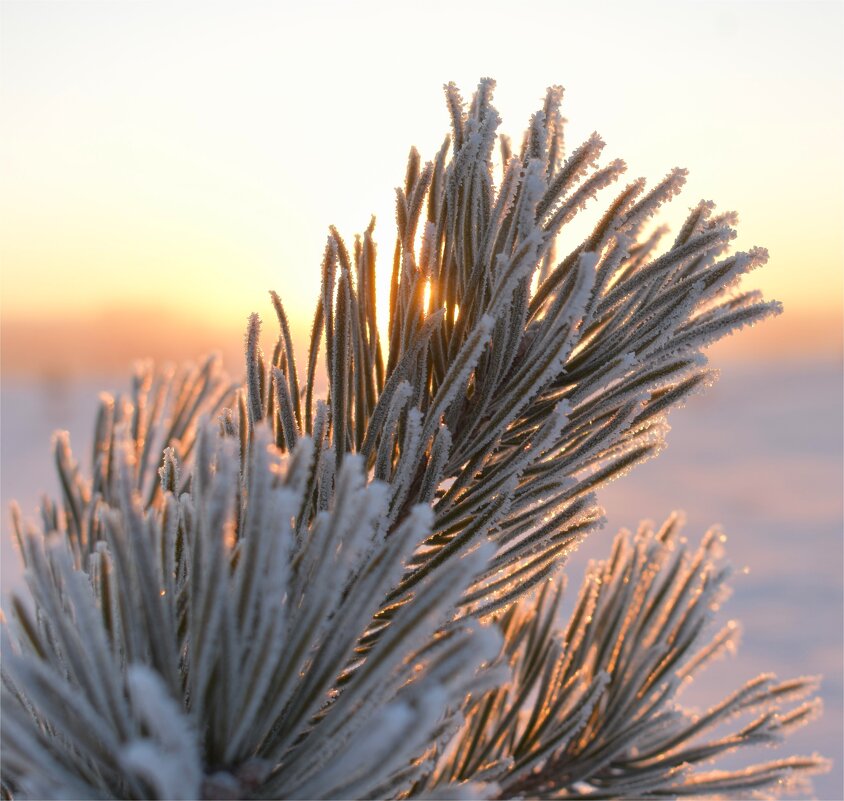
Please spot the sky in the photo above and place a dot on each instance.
(165, 164)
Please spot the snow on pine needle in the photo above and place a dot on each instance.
(264, 592)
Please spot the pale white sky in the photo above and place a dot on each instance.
(195, 153)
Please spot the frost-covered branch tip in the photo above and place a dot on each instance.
(341, 577)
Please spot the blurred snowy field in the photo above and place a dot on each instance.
(760, 453)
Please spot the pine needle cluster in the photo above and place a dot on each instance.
(341, 579)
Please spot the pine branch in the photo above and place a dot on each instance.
(593, 713)
(264, 593)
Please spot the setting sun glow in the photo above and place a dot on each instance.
(142, 184)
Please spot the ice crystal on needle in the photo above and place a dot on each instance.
(263, 593)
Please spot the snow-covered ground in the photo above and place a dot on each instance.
(759, 453)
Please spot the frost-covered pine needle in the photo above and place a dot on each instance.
(260, 592)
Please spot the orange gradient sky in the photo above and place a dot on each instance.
(166, 163)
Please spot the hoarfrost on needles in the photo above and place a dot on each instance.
(263, 593)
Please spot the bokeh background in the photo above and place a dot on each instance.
(164, 164)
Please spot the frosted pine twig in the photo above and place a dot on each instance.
(260, 592)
